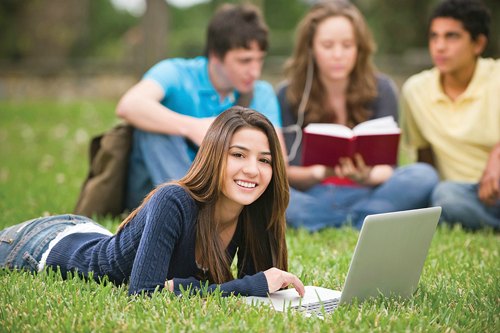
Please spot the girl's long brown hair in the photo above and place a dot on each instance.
(263, 221)
(362, 87)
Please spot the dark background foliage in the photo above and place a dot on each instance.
(50, 38)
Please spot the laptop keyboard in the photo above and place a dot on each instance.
(317, 308)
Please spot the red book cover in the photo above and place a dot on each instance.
(376, 140)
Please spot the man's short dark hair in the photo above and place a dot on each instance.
(473, 14)
(235, 26)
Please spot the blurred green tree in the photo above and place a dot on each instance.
(58, 33)
(48, 35)
(399, 27)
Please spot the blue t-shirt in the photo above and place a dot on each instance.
(189, 91)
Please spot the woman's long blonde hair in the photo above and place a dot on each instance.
(263, 221)
(362, 87)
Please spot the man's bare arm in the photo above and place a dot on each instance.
(489, 185)
(141, 107)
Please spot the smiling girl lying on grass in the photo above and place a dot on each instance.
(185, 233)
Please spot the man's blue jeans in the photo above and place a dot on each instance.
(322, 206)
(461, 205)
(154, 159)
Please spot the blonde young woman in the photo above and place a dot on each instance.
(185, 233)
(331, 79)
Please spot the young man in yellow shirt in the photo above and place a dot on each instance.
(451, 115)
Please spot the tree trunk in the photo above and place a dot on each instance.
(155, 33)
(48, 30)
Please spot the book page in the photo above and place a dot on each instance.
(384, 125)
(330, 130)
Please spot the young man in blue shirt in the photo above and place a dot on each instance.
(173, 105)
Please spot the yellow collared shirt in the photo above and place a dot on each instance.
(461, 133)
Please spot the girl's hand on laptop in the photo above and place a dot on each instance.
(278, 279)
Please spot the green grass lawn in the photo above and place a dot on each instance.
(43, 161)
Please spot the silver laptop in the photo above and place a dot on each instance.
(388, 260)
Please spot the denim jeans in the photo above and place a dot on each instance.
(327, 205)
(22, 245)
(461, 204)
(154, 159)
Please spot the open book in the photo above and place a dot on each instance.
(376, 140)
